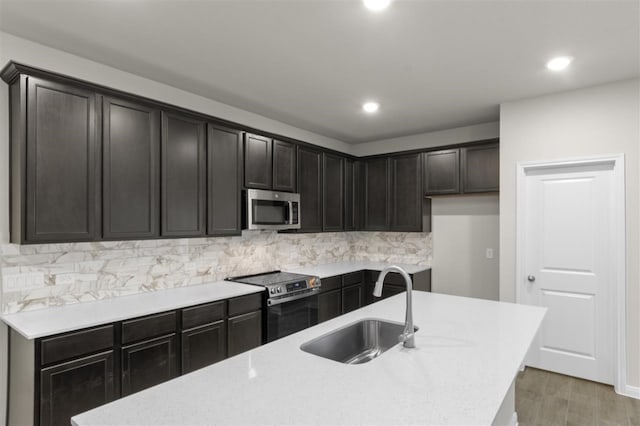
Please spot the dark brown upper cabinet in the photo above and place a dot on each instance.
(406, 193)
(257, 161)
(442, 172)
(376, 194)
(480, 168)
(55, 181)
(224, 176)
(470, 169)
(183, 176)
(284, 166)
(352, 194)
(332, 192)
(310, 187)
(131, 157)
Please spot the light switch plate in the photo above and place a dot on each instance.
(489, 253)
(22, 282)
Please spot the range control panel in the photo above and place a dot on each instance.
(294, 287)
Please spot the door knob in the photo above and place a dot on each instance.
(531, 278)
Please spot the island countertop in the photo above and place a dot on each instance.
(467, 356)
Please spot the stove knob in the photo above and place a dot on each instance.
(272, 291)
(279, 289)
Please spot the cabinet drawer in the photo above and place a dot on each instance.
(203, 314)
(147, 327)
(353, 278)
(58, 348)
(331, 283)
(244, 304)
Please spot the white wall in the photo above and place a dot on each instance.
(429, 140)
(588, 122)
(463, 228)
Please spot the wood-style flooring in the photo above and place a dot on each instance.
(546, 398)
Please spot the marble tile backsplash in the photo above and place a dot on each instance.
(40, 276)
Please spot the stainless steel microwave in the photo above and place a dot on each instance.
(271, 210)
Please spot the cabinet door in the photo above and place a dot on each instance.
(333, 193)
(183, 176)
(376, 181)
(257, 162)
(349, 195)
(406, 193)
(352, 297)
(310, 186)
(224, 170)
(62, 172)
(204, 345)
(74, 387)
(284, 166)
(441, 172)
(131, 149)
(387, 291)
(244, 332)
(480, 168)
(329, 305)
(148, 363)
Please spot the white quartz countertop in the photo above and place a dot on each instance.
(46, 322)
(467, 356)
(339, 268)
(50, 321)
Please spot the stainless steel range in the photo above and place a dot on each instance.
(291, 300)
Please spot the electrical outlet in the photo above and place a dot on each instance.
(489, 253)
(21, 282)
(65, 279)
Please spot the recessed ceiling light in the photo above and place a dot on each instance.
(376, 5)
(370, 107)
(559, 63)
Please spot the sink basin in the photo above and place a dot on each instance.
(356, 343)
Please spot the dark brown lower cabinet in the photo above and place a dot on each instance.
(351, 298)
(76, 386)
(245, 332)
(329, 305)
(148, 363)
(203, 346)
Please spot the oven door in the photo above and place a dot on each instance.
(292, 316)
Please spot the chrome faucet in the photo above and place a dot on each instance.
(407, 337)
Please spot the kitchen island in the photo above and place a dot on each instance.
(461, 372)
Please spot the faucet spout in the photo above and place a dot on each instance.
(407, 337)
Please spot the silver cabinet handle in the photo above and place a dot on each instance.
(531, 278)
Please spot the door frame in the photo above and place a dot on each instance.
(617, 299)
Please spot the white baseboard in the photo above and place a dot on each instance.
(631, 391)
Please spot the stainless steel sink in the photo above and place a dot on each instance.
(356, 343)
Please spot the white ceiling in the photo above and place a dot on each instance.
(431, 64)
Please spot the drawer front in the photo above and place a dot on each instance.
(203, 314)
(244, 304)
(147, 327)
(353, 278)
(331, 283)
(58, 348)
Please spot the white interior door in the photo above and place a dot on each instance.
(569, 268)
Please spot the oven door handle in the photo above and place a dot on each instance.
(272, 302)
